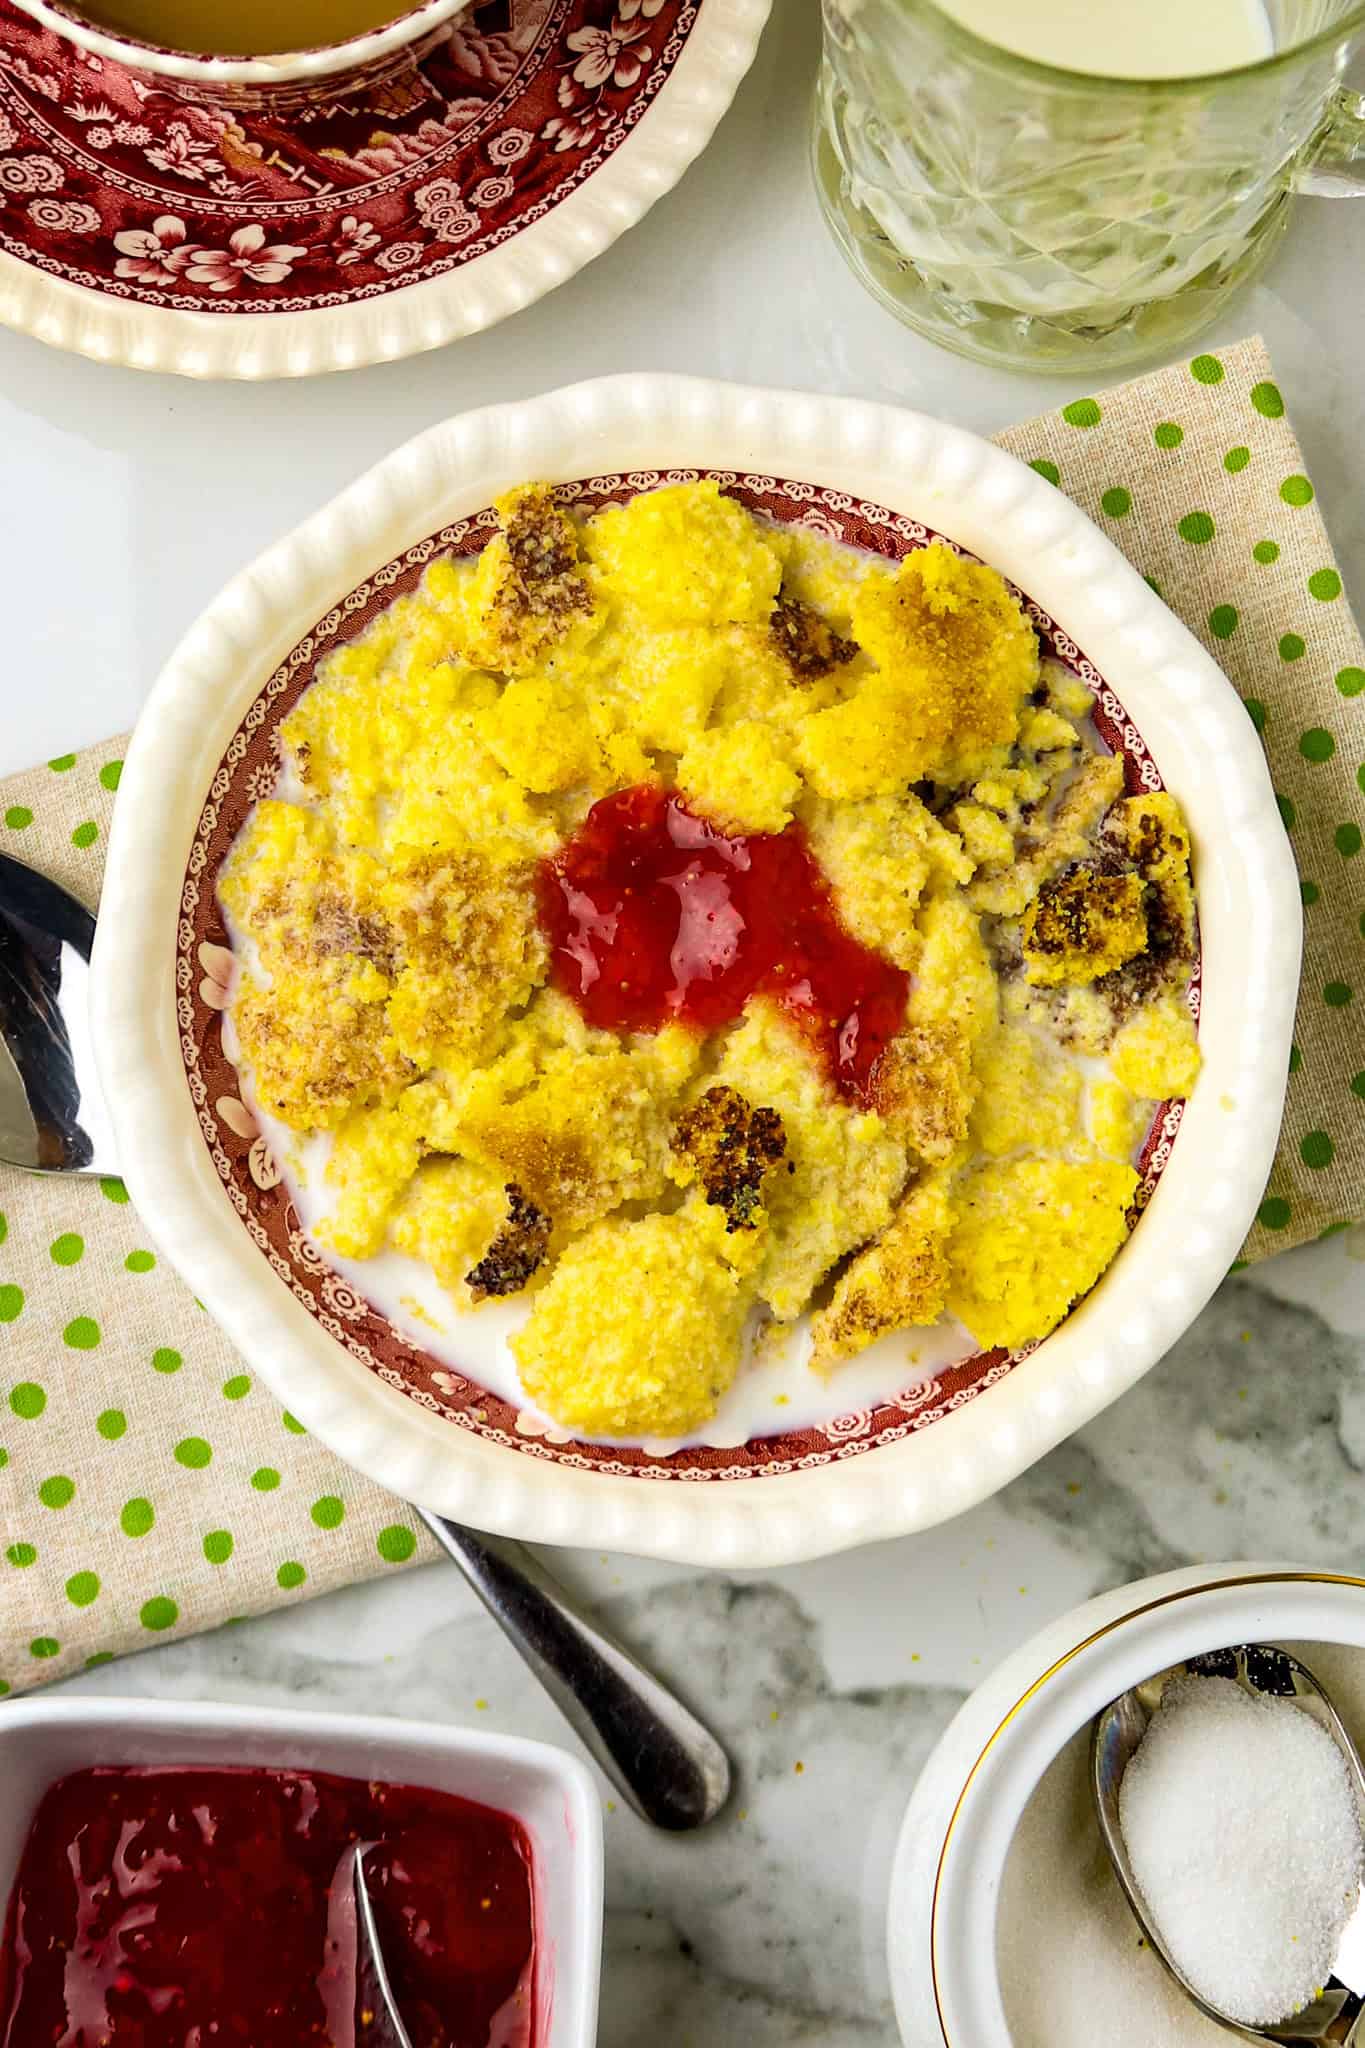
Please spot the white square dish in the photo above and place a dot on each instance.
(550, 1793)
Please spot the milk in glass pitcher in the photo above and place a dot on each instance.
(1074, 184)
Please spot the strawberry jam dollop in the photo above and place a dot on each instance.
(186, 1908)
(655, 916)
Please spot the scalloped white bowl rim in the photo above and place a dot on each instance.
(972, 1789)
(648, 162)
(1192, 721)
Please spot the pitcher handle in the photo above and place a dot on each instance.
(1334, 165)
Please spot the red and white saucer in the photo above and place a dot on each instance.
(137, 227)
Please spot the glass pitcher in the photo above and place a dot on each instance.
(1050, 220)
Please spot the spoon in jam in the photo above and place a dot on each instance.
(1337, 2013)
(378, 2022)
(657, 1754)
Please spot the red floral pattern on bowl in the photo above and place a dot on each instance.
(248, 771)
(111, 179)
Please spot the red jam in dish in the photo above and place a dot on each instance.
(197, 1909)
(656, 916)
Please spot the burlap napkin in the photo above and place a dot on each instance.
(1196, 474)
(151, 1485)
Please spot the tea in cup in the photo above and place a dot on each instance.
(280, 54)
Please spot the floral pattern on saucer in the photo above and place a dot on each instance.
(111, 182)
(252, 1177)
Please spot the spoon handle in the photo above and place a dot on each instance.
(658, 1755)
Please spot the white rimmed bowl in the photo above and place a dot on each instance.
(550, 1793)
(966, 1805)
(950, 481)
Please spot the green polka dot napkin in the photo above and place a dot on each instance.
(150, 1486)
(1195, 473)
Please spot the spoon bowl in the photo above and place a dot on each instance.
(1335, 2015)
(52, 1116)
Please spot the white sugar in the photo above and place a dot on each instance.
(1241, 1825)
(1074, 1970)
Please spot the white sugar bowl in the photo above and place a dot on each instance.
(987, 1919)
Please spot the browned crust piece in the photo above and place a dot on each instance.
(338, 928)
(554, 1166)
(806, 642)
(898, 1282)
(468, 940)
(325, 929)
(547, 581)
(460, 915)
(1153, 843)
(516, 1252)
(1095, 921)
(732, 1145)
(1169, 954)
(923, 1082)
(347, 1070)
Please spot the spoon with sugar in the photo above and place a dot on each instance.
(1230, 1799)
(659, 1756)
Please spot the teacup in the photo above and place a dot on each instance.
(280, 82)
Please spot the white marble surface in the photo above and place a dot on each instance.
(126, 501)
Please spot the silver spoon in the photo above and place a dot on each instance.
(52, 1116)
(661, 1759)
(1336, 2014)
(378, 2022)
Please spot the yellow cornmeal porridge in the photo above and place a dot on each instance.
(649, 1191)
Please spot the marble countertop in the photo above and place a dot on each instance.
(830, 1682)
(127, 500)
